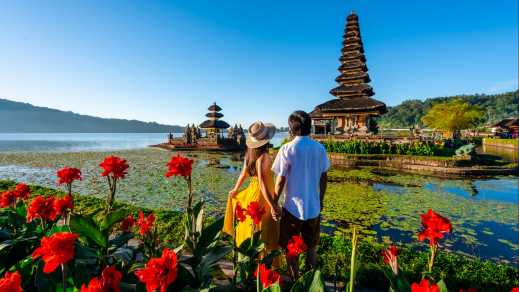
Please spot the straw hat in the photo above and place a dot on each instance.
(260, 134)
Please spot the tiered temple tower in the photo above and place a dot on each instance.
(352, 110)
(213, 125)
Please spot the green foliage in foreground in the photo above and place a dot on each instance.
(376, 147)
(168, 222)
(456, 270)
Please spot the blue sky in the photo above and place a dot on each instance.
(168, 61)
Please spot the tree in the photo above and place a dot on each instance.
(453, 116)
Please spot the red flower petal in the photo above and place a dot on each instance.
(179, 166)
(55, 250)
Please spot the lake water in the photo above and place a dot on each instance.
(484, 211)
(78, 142)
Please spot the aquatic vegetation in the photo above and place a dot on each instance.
(383, 147)
(144, 185)
(381, 212)
(382, 204)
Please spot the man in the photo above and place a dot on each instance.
(301, 167)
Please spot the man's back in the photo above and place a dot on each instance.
(302, 162)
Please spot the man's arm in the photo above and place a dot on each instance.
(278, 189)
(323, 183)
(280, 185)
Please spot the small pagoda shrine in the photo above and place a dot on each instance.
(213, 126)
(209, 135)
(353, 109)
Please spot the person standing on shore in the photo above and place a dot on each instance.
(301, 168)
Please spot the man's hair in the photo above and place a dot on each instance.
(300, 123)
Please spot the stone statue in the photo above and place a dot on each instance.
(187, 134)
(468, 150)
(194, 133)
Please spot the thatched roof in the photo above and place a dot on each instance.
(214, 108)
(214, 124)
(214, 115)
(506, 123)
(350, 105)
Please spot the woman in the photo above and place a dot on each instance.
(257, 167)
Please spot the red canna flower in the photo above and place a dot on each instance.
(240, 213)
(11, 282)
(67, 175)
(110, 279)
(256, 212)
(296, 245)
(145, 223)
(389, 253)
(127, 223)
(179, 166)
(114, 166)
(7, 199)
(434, 227)
(424, 286)
(22, 191)
(515, 289)
(42, 208)
(55, 250)
(267, 277)
(159, 272)
(63, 204)
(95, 285)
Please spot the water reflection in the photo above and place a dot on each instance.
(507, 154)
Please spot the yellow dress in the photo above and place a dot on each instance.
(269, 228)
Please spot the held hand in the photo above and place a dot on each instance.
(233, 193)
(276, 213)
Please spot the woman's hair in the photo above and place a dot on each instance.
(252, 155)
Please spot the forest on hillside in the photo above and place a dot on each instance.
(410, 112)
(18, 117)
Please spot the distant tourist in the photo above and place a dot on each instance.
(257, 167)
(301, 167)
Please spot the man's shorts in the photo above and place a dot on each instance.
(291, 225)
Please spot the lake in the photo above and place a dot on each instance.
(77, 142)
(384, 204)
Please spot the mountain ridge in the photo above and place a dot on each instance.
(22, 117)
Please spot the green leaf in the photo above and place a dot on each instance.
(199, 222)
(213, 256)
(120, 239)
(87, 228)
(112, 218)
(310, 281)
(124, 254)
(442, 286)
(247, 249)
(273, 288)
(271, 256)
(210, 233)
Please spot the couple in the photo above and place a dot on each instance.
(300, 169)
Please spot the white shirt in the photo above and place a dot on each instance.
(302, 161)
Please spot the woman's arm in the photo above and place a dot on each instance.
(262, 168)
(243, 176)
